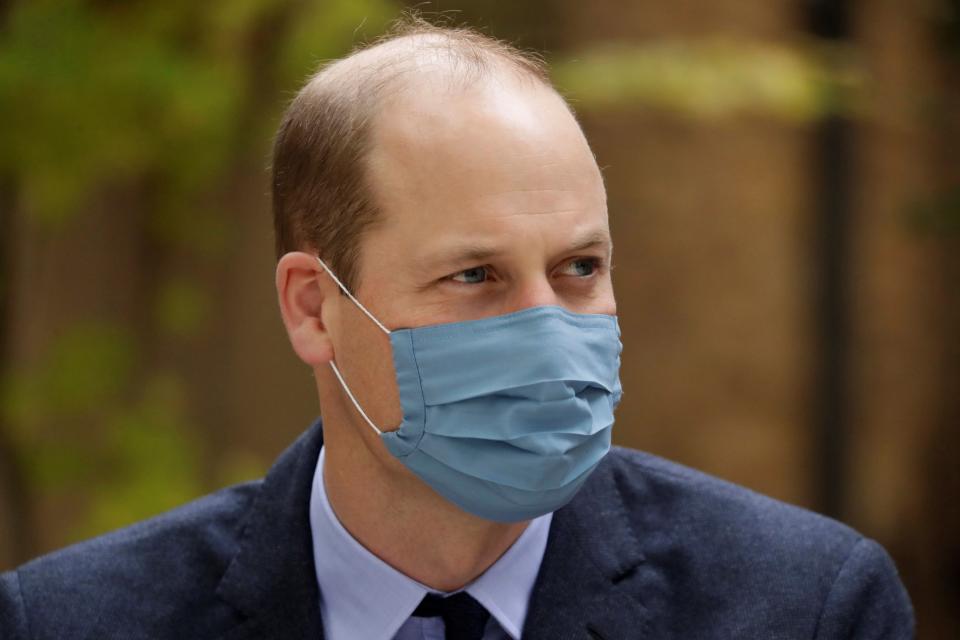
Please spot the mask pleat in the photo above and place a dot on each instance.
(507, 416)
(455, 367)
(509, 465)
(472, 493)
(523, 418)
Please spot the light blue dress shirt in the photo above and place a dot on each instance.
(361, 596)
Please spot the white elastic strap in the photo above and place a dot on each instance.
(336, 371)
(350, 295)
(352, 399)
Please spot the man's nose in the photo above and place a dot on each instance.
(532, 292)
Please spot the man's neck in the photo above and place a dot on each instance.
(401, 520)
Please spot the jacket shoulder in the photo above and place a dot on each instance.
(698, 501)
(755, 562)
(145, 576)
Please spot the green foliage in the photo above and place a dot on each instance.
(712, 78)
(182, 308)
(240, 466)
(328, 30)
(149, 462)
(84, 369)
(171, 98)
(99, 97)
(95, 96)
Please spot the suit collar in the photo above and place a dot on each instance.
(364, 597)
(271, 580)
(592, 554)
(586, 585)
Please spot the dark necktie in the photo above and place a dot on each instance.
(463, 617)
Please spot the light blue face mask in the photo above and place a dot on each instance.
(505, 416)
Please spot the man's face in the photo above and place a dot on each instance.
(491, 202)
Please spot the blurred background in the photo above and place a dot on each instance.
(784, 192)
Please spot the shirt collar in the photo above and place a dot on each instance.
(361, 596)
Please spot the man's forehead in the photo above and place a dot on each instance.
(500, 144)
(465, 175)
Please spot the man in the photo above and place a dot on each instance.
(444, 269)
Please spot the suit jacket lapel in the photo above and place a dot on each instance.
(585, 587)
(272, 580)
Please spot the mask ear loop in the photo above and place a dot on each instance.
(352, 399)
(350, 295)
(333, 366)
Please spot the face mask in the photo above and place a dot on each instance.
(505, 416)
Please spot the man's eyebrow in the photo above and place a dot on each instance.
(590, 241)
(461, 253)
(473, 252)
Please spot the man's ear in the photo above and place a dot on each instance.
(305, 300)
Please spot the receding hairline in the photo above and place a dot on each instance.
(400, 62)
(323, 200)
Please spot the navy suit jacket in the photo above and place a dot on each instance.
(647, 549)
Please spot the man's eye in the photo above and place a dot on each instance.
(474, 275)
(582, 267)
